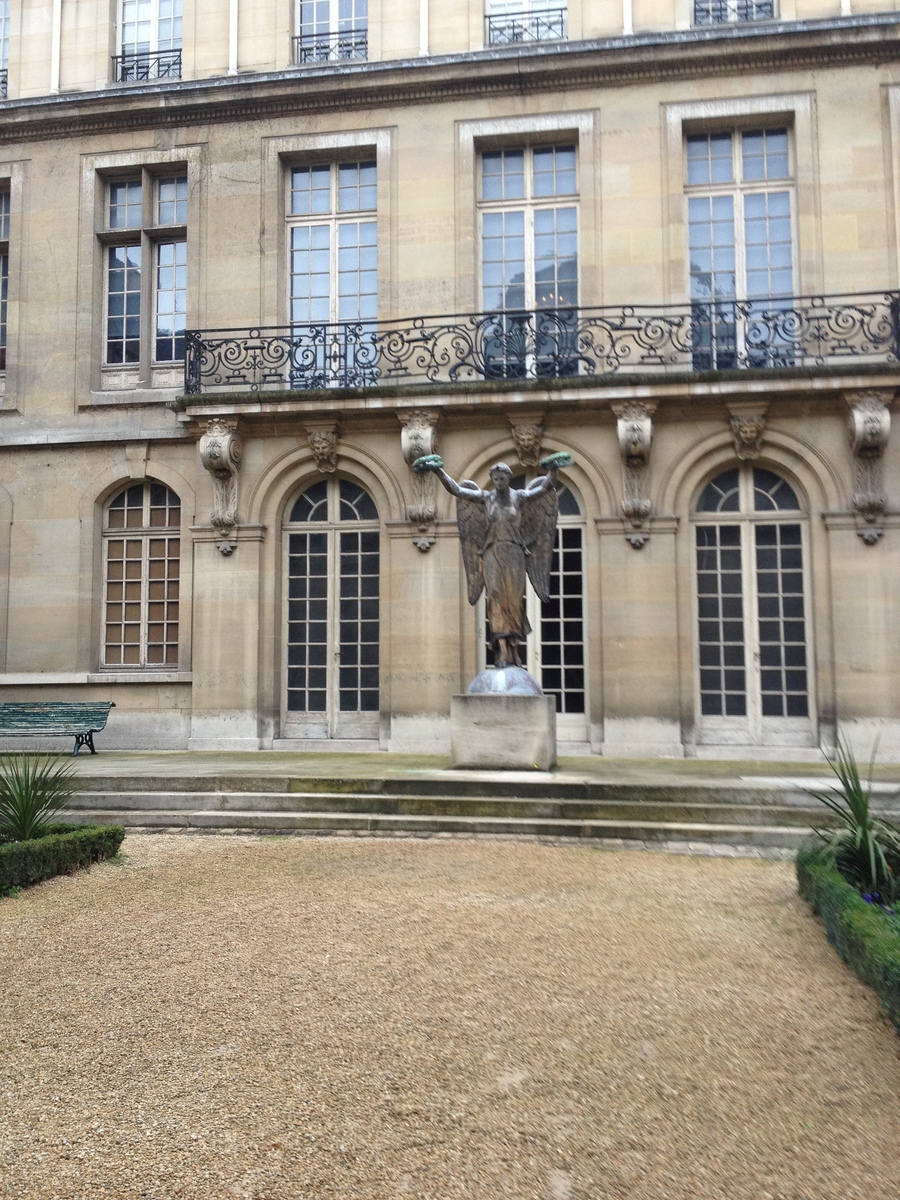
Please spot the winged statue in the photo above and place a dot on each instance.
(506, 533)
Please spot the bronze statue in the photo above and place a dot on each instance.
(505, 533)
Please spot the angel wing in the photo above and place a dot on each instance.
(472, 522)
(538, 526)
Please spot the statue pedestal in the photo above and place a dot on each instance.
(499, 731)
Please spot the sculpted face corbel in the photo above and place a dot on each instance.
(527, 431)
(418, 437)
(221, 452)
(634, 430)
(869, 429)
(748, 427)
(323, 438)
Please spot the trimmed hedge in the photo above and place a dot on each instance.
(863, 934)
(67, 848)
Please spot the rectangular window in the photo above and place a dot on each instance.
(721, 12)
(740, 247)
(529, 260)
(4, 273)
(149, 40)
(508, 22)
(145, 226)
(331, 30)
(4, 45)
(333, 278)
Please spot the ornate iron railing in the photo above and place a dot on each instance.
(720, 12)
(725, 335)
(140, 65)
(505, 29)
(4, 80)
(331, 47)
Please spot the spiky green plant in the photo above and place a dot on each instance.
(864, 848)
(34, 788)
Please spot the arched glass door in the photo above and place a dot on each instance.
(753, 663)
(332, 625)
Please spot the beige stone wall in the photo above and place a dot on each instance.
(68, 440)
(87, 34)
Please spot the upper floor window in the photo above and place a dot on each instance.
(331, 30)
(4, 45)
(529, 258)
(511, 21)
(4, 272)
(333, 276)
(145, 248)
(740, 245)
(149, 40)
(721, 12)
(141, 568)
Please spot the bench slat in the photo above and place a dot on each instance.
(62, 718)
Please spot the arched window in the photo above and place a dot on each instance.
(752, 626)
(332, 626)
(141, 561)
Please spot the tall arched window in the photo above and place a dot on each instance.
(332, 625)
(141, 566)
(753, 677)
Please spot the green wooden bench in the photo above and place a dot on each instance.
(49, 718)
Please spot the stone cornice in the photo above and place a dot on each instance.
(726, 50)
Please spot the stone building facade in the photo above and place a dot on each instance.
(258, 256)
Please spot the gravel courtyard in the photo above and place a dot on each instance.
(283, 1019)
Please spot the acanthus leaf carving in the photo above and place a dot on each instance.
(869, 431)
(634, 429)
(221, 452)
(418, 437)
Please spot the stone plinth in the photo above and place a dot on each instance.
(496, 731)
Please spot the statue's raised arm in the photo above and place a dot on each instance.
(505, 532)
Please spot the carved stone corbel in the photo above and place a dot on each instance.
(527, 434)
(869, 428)
(748, 427)
(634, 428)
(323, 438)
(418, 437)
(220, 453)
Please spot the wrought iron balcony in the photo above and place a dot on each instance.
(722, 12)
(509, 28)
(140, 65)
(331, 47)
(701, 336)
(4, 80)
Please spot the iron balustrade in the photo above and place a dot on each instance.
(336, 46)
(720, 12)
(4, 80)
(508, 28)
(140, 65)
(699, 336)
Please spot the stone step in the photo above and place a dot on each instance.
(624, 809)
(318, 822)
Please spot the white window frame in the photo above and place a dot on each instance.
(149, 235)
(754, 729)
(333, 38)
(331, 723)
(153, 45)
(143, 534)
(529, 205)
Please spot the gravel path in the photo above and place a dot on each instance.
(285, 1019)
